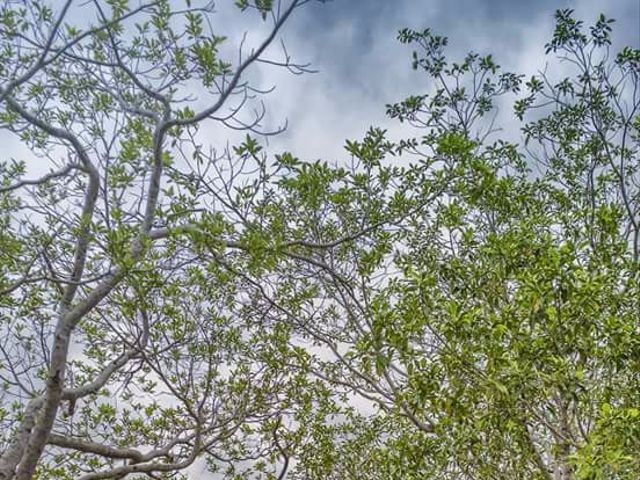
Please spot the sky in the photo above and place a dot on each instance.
(362, 67)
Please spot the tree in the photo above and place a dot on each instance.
(128, 343)
(448, 306)
(493, 330)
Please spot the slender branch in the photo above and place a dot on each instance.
(207, 112)
(95, 448)
(43, 62)
(50, 176)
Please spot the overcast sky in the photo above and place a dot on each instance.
(362, 66)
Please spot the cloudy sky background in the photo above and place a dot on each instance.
(362, 67)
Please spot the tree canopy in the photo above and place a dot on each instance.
(451, 305)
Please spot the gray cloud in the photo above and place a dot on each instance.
(362, 66)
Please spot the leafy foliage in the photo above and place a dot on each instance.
(495, 332)
(448, 306)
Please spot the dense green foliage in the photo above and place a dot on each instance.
(495, 332)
